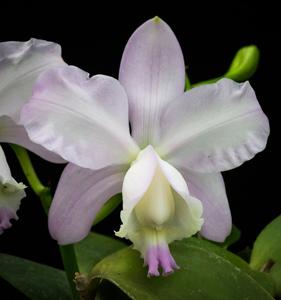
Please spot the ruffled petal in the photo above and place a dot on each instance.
(11, 194)
(210, 190)
(79, 196)
(84, 120)
(153, 73)
(20, 65)
(213, 128)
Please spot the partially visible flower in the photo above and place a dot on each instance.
(168, 169)
(11, 194)
(20, 65)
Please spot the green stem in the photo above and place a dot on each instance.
(28, 169)
(213, 80)
(70, 264)
(44, 194)
(187, 83)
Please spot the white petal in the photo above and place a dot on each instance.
(213, 128)
(85, 120)
(11, 194)
(138, 178)
(20, 65)
(153, 73)
(210, 190)
(80, 195)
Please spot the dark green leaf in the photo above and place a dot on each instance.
(262, 278)
(207, 272)
(109, 291)
(36, 281)
(275, 272)
(93, 249)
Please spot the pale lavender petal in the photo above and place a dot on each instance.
(213, 128)
(20, 65)
(12, 133)
(210, 190)
(153, 73)
(79, 196)
(84, 120)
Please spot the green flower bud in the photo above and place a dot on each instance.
(242, 67)
(244, 64)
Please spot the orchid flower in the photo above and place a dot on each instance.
(20, 65)
(11, 194)
(168, 167)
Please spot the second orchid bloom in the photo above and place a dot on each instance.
(167, 167)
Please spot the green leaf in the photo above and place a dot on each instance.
(267, 246)
(36, 281)
(207, 272)
(109, 291)
(275, 273)
(93, 249)
(266, 254)
(262, 278)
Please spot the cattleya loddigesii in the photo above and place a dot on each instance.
(168, 167)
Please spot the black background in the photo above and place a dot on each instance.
(93, 39)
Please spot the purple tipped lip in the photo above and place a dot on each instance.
(5, 216)
(159, 256)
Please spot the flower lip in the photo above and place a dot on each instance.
(157, 209)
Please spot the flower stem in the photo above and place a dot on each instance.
(39, 189)
(213, 80)
(70, 265)
(67, 252)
